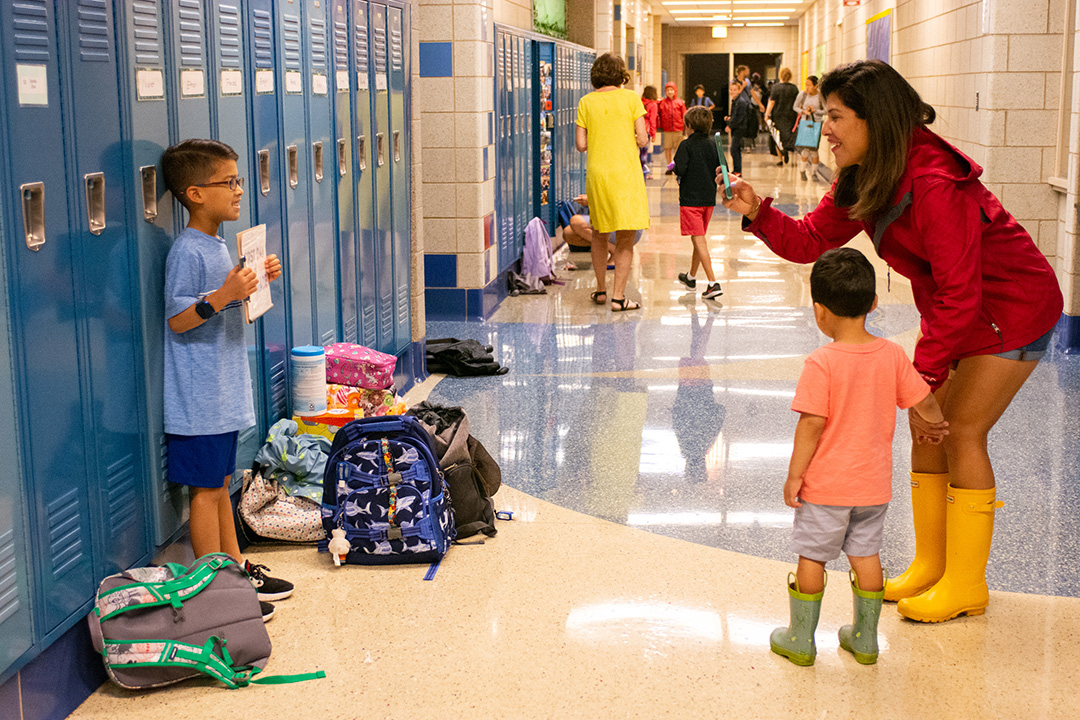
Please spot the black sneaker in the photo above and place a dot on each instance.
(267, 611)
(713, 291)
(269, 588)
(688, 281)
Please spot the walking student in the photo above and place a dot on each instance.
(840, 477)
(207, 383)
(696, 161)
(671, 111)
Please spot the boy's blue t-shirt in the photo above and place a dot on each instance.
(207, 380)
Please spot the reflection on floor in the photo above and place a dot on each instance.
(643, 456)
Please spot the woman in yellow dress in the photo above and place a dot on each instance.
(611, 127)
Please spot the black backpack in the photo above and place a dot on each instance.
(471, 473)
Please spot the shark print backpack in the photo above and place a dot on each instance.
(384, 497)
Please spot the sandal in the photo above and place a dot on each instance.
(597, 295)
(624, 304)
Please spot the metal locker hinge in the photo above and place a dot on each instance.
(95, 201)
(316, 149)
(148, 173)
(33, 206)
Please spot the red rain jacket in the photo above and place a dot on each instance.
(652, 112)
(671, 111)
(979, 282)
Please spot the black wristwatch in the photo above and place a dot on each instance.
(205, 309)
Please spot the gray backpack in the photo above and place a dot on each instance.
(156, 626)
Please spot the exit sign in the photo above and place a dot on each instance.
(852, 3)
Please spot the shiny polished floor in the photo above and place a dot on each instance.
(643, 456)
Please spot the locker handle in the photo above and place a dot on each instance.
(316, 148)
(294, 168)
(264, 172)
(379, 149)
(149, 192)
(397, 146)
(33, 206)
(362, 147)
(341, 157)
(95, 201)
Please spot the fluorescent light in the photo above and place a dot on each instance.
(765, 24)
(719, 31)
(754, 10)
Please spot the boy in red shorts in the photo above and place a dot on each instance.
(696, 161)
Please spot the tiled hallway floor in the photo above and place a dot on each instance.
(673, 420)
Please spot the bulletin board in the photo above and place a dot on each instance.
(878, 35)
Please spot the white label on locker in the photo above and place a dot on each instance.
(362, 81)
(33, 85)
(318, 84)
(150, 84)
(294, 82)
(232, 82)
(380, 82)
(192, 83)
(342, 80)
(264, 81)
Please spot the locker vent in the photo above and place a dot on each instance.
(163, 462)
(123, 499)
(328, 337)
(395, 41)
(31, 24)
(380, 49)
(264, 39)
(278, 389)
(403, 305)
(360, 33)
(350, 330)
(341, 45)
(146, 28)
(9, 580)
(370, 338)
(95, 40)
(318, 43)
(191, 32)
(230, 50)
(245, 436)
(292, 41)
(65, 536)
(386, 313)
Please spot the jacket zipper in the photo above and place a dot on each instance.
(997, 330)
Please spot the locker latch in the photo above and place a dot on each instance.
(316, 149)
(148, 173)
(379, 150)
(33, 202)
(95, 202)
(294, 168)
(342, 157)
(264, 172)
(362, 148)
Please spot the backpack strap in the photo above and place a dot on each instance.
(212, 659)
(170, 592)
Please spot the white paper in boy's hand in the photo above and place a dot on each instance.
(251, 246)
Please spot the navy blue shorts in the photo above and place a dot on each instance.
(202, 461)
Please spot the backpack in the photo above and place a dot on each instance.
(537, 263)
(156, 626)
(384, 497)
(471, 473)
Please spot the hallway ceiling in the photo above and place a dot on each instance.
(732, 13)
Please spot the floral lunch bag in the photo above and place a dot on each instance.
(358, 366)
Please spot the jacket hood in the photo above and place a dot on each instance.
(673, 87)
(931, 156)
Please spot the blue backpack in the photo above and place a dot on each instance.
(384, 497)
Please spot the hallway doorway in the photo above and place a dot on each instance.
(710, 70)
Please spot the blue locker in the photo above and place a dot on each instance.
(321, 156)
(229, 124)
(365, 162)
(264, 192)
(343, 172)
(290, 62)
(384, 254)
(400, 180)
(185, 41)
(151, 225)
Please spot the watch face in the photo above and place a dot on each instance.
(205, 310)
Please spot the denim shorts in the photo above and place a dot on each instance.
(1032, 351)
(821, 532)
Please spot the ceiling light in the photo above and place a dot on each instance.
(719, 31)
(759, 24)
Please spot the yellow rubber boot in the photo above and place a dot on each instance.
(928, 510)
(962, 589)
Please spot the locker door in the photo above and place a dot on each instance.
(296, 165)
(150, 230)
(500, 130)
(187, 56)
(263, 192)
(384, 255)
(229, 124)
(364, 159)
(321, 157)
(521, 148)
(398, 157)
(43, 308)
(106, 275)
(531, 186)
(341, 161)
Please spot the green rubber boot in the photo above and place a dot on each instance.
(796, 642)
(860, 638)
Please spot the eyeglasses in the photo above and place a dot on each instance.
(231, 183)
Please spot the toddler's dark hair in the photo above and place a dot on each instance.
(843, 280)
(699, 119)
(192, 162)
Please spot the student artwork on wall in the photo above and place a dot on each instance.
(878, 34)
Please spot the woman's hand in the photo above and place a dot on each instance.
(743, 197)
(924, 431)
(582, 200)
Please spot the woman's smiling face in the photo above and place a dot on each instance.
(848, 134)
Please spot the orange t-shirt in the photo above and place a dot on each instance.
(857, 389)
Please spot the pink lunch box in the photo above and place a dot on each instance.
(358, 366)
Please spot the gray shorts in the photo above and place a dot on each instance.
(821, 532)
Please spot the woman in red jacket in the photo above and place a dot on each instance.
(988, 298)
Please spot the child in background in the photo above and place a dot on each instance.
(696, 161)
(840, 477)
(207, 382)
(652, 114)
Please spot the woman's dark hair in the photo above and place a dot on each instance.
(699, 119)
(843, 281)
(813, 79)
(609, 69)
(892, 109)
(649, 93)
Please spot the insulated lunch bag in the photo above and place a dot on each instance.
(384, 497)
(358, 366)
